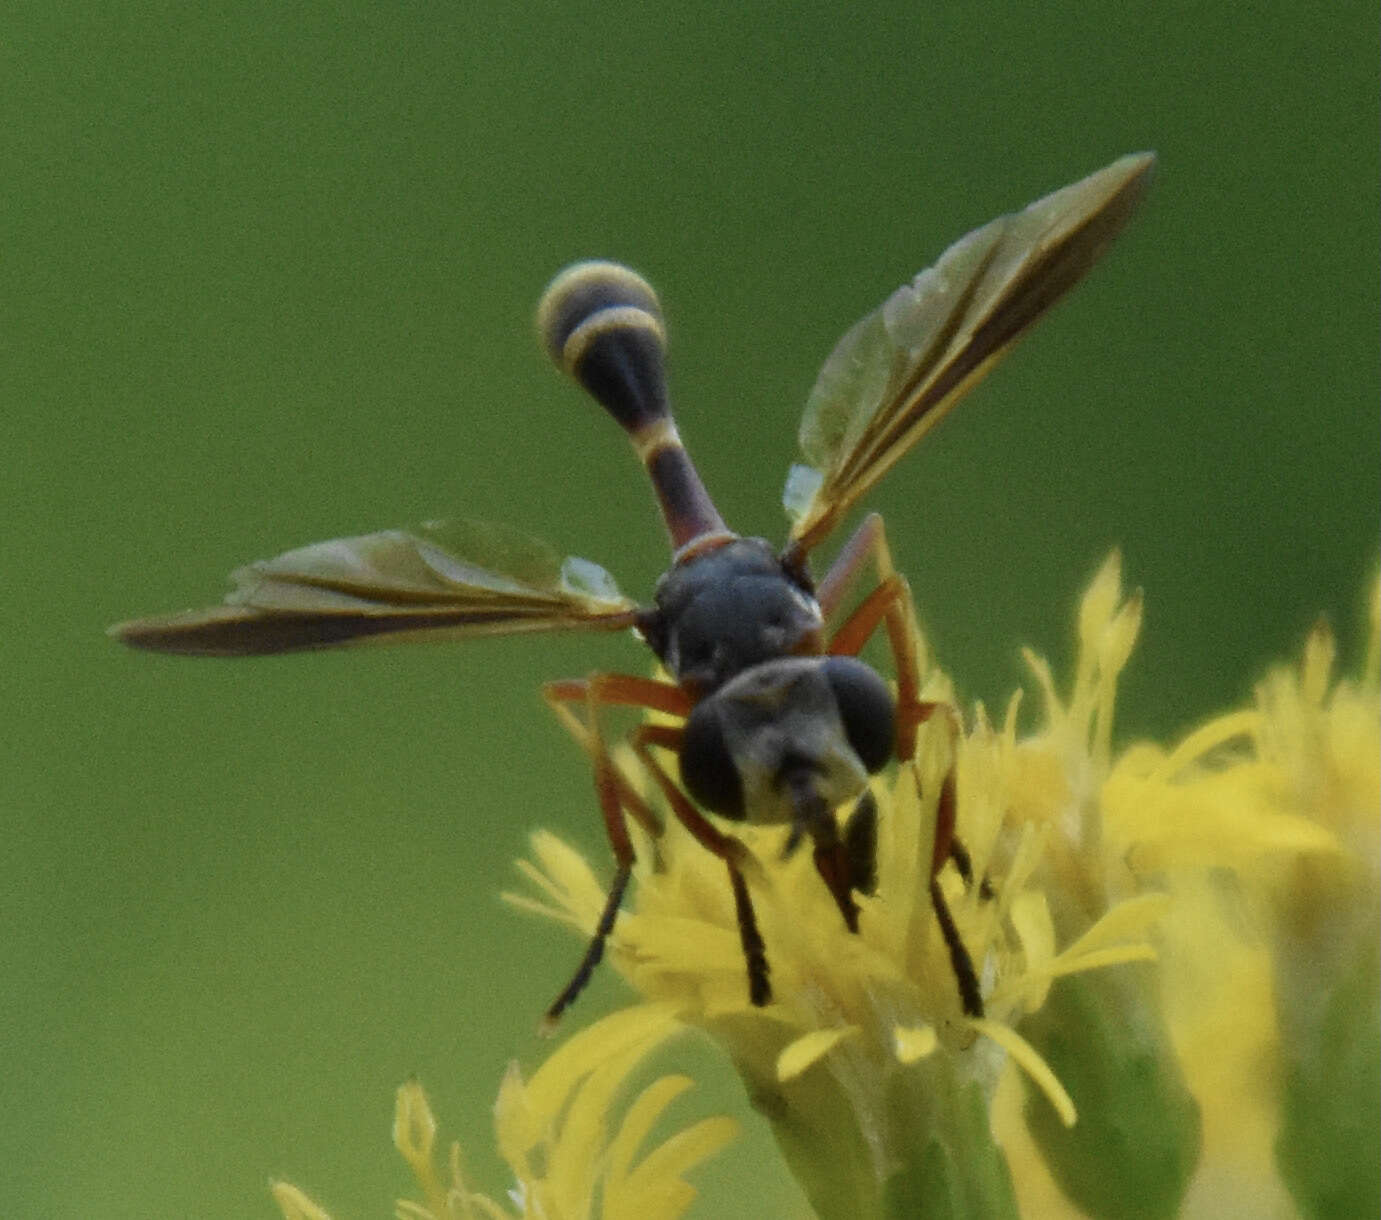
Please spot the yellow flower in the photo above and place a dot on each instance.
(1263, 826)
(1260, 832)
(1230, 1065)
(554, 1131)
(1322, 738)
(877, 1082)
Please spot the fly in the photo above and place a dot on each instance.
(773, 719)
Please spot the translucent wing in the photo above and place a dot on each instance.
(899, 371)
(457, 578)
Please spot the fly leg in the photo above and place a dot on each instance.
(615, 794)
(890, 604)
(948, 847)
(735, 855)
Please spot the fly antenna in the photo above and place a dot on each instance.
(602, 325)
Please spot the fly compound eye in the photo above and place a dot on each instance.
(708, 768)
(865, 707)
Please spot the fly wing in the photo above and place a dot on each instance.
(438, 580)
(898, 372)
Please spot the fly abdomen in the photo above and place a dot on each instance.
(602, 325)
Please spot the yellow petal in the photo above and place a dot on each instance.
(294, 1204)
(688, 943)
(1205, 738)
(575, 1159)
(656, 1187)
(533, 906)
(912, 1043)
(1114, 955)
(1026, 1057)
(1030, 917)
(414, 1124)
(668, 1199)
(1317, 667)
(1040, 670)
(1128, 918)
(809, 1048)
(414, 1135)
(516, 1129)
(639, 1121)
(1098, 604)
(1120, 637)
(643, 1025)
(576, 885)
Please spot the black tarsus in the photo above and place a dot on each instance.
(595, 951)
(959, 959)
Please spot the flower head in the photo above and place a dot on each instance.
(569, 1161)
(1264, 827)
(1228, 1063)
(877, 1080)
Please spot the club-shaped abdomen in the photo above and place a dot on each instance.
(602, 324)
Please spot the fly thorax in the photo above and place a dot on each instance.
(729, 609)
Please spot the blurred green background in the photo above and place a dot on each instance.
(267, 273)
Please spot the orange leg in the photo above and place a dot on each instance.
(615, 794)
(849, 563)
(619, 690)
(617, 797)
(890, 604)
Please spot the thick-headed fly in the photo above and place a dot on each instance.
(773, 718)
